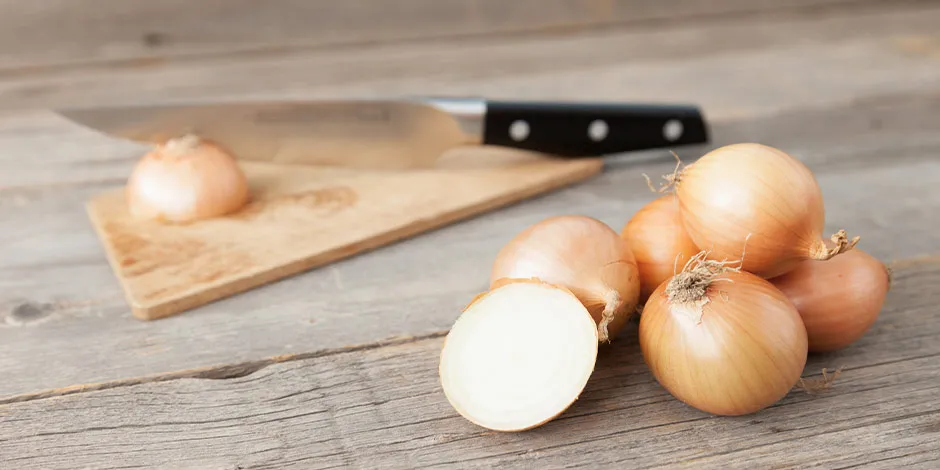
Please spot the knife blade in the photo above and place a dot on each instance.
(401, 133)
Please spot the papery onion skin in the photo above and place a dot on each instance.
(744, 353)
(184, 180)
(583, 255)
(659, 242)
(839, 300)
(754, 197)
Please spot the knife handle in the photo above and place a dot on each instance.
(590, 129)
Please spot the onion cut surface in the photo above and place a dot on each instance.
(518, 356)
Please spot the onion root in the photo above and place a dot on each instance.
(814, 385)
(672, 179)
(689, 287)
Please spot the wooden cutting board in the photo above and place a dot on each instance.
(302, 217)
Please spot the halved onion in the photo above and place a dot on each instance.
(518, 356)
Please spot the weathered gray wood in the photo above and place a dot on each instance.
(76, 31)
(384, 407)
(360, 300)
(868, 131)
(733, 69)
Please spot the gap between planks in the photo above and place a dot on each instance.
(243, 369)
(219, 372)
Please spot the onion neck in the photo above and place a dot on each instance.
(612, 304)
(183, 145)
(841, 243)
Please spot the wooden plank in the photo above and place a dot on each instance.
(75, 31)
(384, 407)
(61, 296)
(644, 65)
(868, 131)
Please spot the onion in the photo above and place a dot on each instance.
(186, 179)
(758, 196)
(659, 242)
(581, 254)
(722, 340)
(518, 355)
(839, 300)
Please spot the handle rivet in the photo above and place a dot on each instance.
(519, 130)
(597, 131)
(672, 130)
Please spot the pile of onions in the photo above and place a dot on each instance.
(758, 199)
(186, 179)
(583, 255)
(731, 332)
(722, 340)
(659, 242)
(737, 285)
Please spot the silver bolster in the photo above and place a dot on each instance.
(468, 112)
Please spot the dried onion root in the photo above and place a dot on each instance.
(722, 340)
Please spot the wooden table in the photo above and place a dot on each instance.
(337, 367)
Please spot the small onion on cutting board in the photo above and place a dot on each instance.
(186, 179)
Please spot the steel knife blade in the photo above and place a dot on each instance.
(401, 132)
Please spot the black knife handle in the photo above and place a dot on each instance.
(591, 129)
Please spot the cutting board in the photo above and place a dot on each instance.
(303, 217)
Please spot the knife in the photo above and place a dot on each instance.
(401, 133)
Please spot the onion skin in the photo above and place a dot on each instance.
(184, 180)
(743, 350)
(659, 242)
(581, 254)
(839, 299)
(755, 197)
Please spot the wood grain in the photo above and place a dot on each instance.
(75, 31)
(742, 67)
(863, 120)
(54, 265)
(305, 217)
(384, 407)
